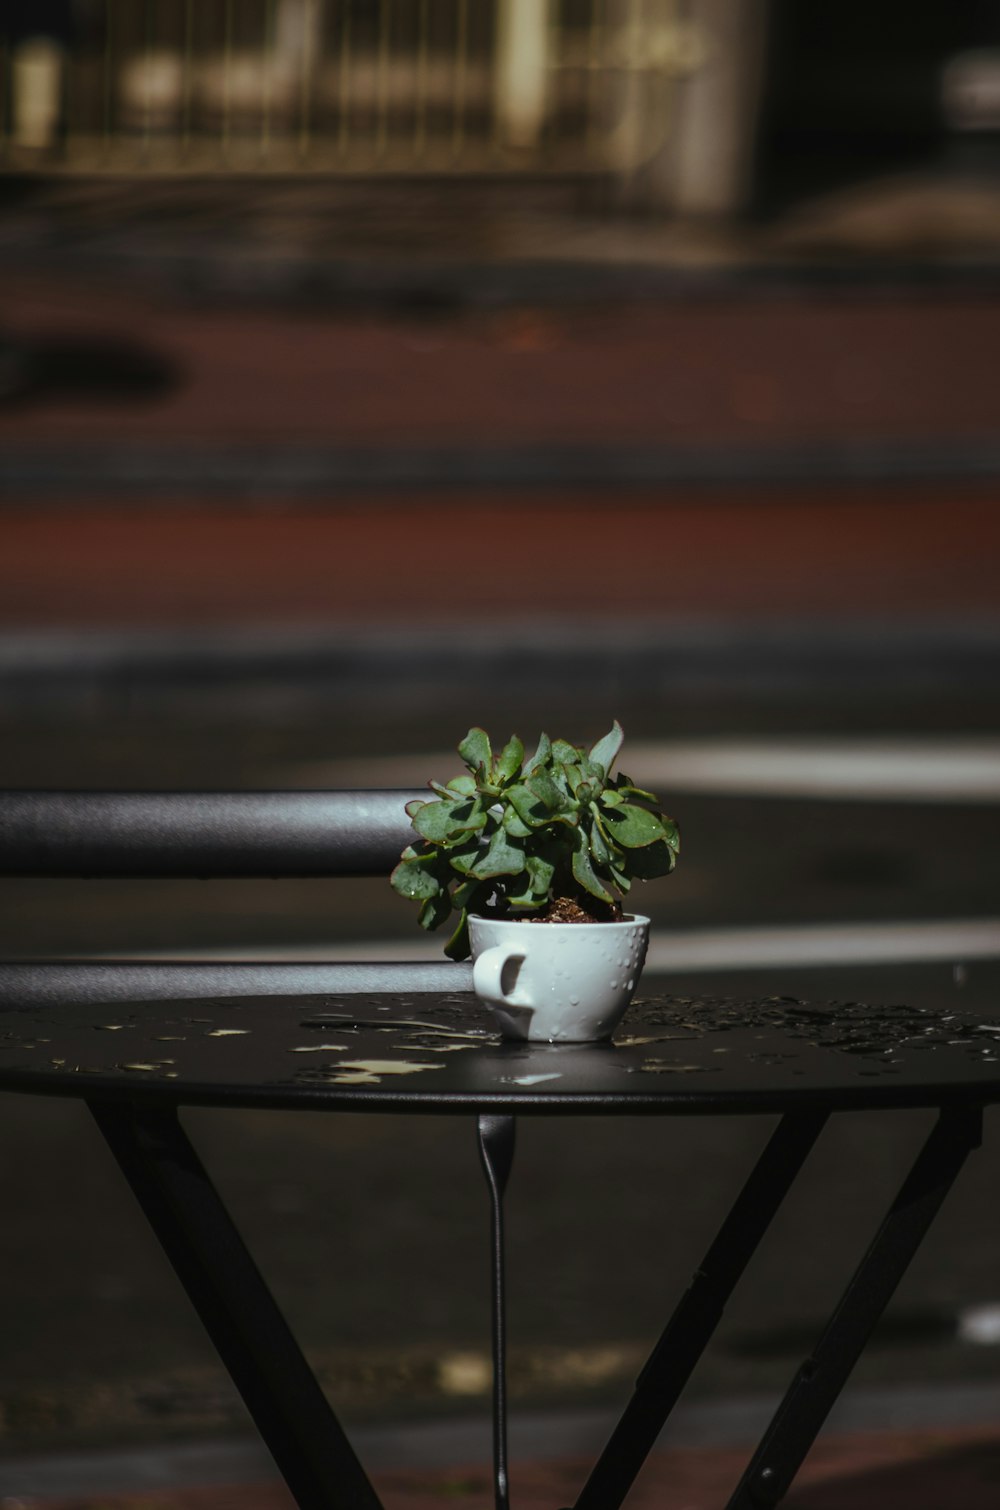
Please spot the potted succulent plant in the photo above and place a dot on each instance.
(536, 856)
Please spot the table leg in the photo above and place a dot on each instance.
(819, 1381)
(689, 1330)
(496, 1150)
(238, 1311)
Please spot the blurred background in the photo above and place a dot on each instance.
(373, 368)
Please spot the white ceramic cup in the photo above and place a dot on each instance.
(557, 982)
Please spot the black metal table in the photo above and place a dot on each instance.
(137, 1065)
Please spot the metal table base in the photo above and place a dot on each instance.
(493, 1084)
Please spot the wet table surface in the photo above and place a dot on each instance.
(441, 1053)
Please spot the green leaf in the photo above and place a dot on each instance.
(627, 787)
(606, 750)
(619, 857)
(413, 880)
(514, 823)
(540, 872)
(462, 857)
(468, 896)
(435, 911)
(475, 750)
(583, 872)
(464, 785)
(542, 786)
(673, 833)
(585, 781)
(541, 757)
(458, 946)
(527, 806)
(598, 845)
(526, 900)
(502, 858)
(654, 860)
(437, 822)
(509, 760)
(574, 778)
(633, 827)
(564, 753)
(600, 821)
(471, 896)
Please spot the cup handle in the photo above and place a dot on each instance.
(487, 975)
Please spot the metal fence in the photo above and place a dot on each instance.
(350, 86)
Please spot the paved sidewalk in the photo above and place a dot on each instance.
(902, 1470)
(183, 465)
(119, 365)
(191, 466)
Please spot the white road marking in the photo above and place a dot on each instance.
(889, 770)
(980, 1325)
(825, 944)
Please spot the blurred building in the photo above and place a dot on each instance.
(652, 95)
(689, 106)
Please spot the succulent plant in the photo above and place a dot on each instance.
(523, 838)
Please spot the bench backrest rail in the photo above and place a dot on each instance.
(203, 834)
(163, 835)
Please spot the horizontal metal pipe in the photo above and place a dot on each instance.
(203, 834)
(52, 983)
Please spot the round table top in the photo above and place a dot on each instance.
(441, 1053)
